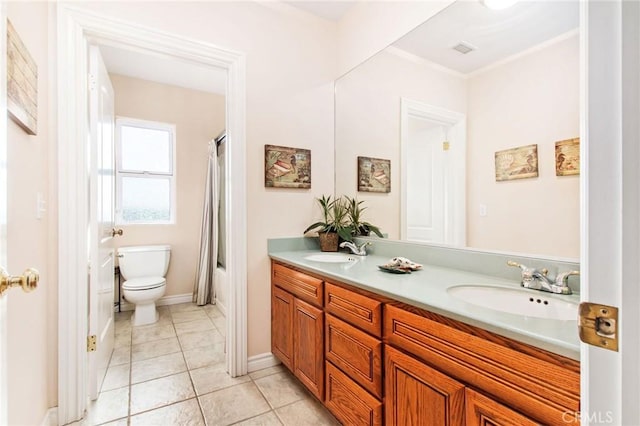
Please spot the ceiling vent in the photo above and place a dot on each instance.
(464, 48)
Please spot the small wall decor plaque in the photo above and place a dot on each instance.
(22, 83)
(517, 163)
(568, 157)
(374, 175)
(287, 167)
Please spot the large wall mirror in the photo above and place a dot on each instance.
(447, 105)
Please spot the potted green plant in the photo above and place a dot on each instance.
(333, 225)
(357, 226)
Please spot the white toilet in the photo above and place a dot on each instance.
(144, 268)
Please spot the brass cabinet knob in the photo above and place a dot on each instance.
(28, 280)
(115, 232)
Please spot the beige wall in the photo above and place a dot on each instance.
(531, 100)
(368, 123)
(31, 323)
(198, 117)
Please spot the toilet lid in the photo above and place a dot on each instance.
(145, 283)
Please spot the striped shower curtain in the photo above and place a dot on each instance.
(204, 289)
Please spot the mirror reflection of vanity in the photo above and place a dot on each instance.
(440, 116)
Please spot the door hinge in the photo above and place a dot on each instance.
(92, 82)
(445, 146)
(92, 343)
(598, 325)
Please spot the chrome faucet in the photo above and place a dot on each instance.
(359, 251)
(537, 279)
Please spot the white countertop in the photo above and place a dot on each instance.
(427, 289)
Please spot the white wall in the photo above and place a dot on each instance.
(198, 117)
(531, 100)
(368, 123)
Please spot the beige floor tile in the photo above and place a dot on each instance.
(183, 307)
(192, 326)
(231, 405)
(116, 377)
(157, 367)
(160, 392)
(122, 340)
(267, 371)
(307, 412)
(220, 323)
(185, 413)
(123, 316)
(186, 316)
(123, 327)
(204, 356)
(110, 405)
(121, 355)
(268, 419)
(281, 389)
(150, 333)
(212, 311)
(200, 338)
(154, 348)
(214, 377)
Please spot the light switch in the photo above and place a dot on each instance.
(483, 210)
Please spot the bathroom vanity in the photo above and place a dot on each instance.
(378, 348)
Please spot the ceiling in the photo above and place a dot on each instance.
(496, 34)
(332, 10)
(164, 70)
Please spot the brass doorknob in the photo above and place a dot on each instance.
(115, 232)
(28, 280)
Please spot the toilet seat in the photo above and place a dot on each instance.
(146, 283)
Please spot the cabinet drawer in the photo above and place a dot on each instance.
(300, 285)
(536, 383)
(351, 404)
(356, 309)
(483, 411)
(355, 352)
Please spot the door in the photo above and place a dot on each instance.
(432, 173)
(483, 411)
(101, 223)
(3, 212)
(416, 394)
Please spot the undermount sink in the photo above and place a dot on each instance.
(331, 258)
(515, 301)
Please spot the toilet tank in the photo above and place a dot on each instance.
(144, 261)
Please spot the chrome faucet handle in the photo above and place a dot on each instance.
(563, 278)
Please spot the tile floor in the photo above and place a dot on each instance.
(172, 373)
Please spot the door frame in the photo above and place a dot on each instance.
(75, 27)
(455, 219)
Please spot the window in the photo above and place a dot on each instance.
(145, 173)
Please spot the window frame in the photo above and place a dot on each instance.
(122, 173)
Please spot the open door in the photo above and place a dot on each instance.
(101, 223)
(3, 212)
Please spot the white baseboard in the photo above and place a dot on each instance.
(222, 308)
(163, 301)
(50, 417)
(258, 362)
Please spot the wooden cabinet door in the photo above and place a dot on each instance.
(282, 326)
(416, 394)
(483, 411)
(308, 347)
(351, 404)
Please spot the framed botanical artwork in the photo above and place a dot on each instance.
(568, 157)
(374, 174)
(517, 163)
(22, 83)
(286, 167)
